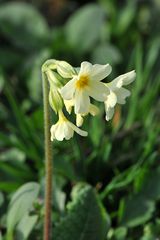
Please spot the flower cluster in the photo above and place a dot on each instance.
(73, 88)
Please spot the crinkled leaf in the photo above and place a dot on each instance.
(86, 218)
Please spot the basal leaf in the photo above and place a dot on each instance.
(21, 203)
(86, 218)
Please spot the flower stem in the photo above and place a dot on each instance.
(48, 160)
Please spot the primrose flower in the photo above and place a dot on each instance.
(93, 110)
(87, 83)
(64, 129)
(118, 93)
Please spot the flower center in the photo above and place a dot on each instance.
(82, 82)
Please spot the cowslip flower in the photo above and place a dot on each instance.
(93, 110)
(87, 83)
(84, 83)
(118, 93)
(64, 129)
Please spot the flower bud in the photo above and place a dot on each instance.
(54, 79)
(55, 100)
(65, 69)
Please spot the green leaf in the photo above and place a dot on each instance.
(21, 203)
(120, 233)
(86, 218)
(25, 226)
(23, 25)
(150, 187)
(137, 210)
(84, 27)
(125, 18)
(12, 154)
(106, 53)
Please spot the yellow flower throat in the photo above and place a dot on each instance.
(82, 82)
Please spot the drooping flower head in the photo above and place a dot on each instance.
(72, 88)
(64, 129)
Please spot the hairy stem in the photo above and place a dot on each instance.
(48, 160)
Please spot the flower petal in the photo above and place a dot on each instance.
(68, 131)
(69, 104)
(122, 93)
(68, 90)
(98, 91)
(122, 80)
(85, 68)
(79, 120)
(109, 112)
(111, 100)
(59, 133)
(77, 130)
(100, 72)
(82, 102)
(53, 130)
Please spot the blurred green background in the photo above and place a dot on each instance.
(119, 159)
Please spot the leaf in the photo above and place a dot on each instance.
(25, 226)
(106, 53)
(137, 210)
(23, 25)
(12, 154)
(20, 204)
(125, 18)
(86, 218)
(120, 233)
(84, 27)
(151, 189)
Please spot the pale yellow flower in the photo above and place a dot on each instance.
(64, 129)
(87, 83)
(118, 93)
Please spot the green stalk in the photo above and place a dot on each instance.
(48, 160)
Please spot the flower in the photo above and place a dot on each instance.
(93, 110)
(118, 93)
(87, 83)
(64, 129)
